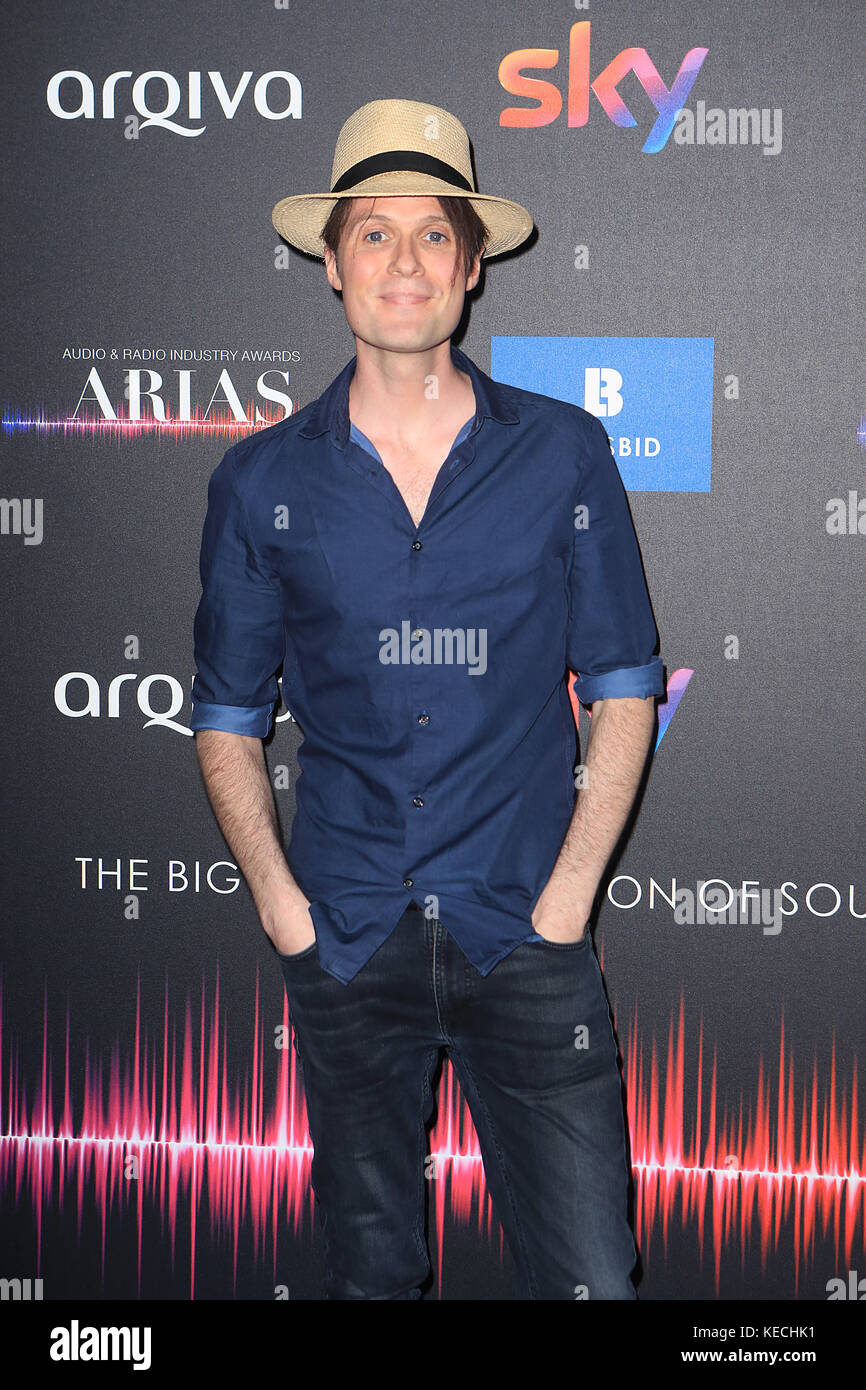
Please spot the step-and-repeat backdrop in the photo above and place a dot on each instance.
(692, 170)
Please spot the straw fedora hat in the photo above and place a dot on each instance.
(399, 148)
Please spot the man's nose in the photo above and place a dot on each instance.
(404, 256)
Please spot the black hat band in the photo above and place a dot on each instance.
(399, 161)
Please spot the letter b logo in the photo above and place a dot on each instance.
(601, 391)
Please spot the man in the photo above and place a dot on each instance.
(427, 553)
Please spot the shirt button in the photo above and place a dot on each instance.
(408, 883)
(423, 719)
(416, 545)
(417, 801)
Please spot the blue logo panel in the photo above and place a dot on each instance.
(654, 397)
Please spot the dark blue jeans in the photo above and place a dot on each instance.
(533, 1049)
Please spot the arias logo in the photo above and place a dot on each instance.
(150, 395)
(184, 391)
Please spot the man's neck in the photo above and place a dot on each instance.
(408, 396)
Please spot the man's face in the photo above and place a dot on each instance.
(396, 270)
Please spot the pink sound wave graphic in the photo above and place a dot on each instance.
(167, 1124)
(750, 1168)
(15, 423)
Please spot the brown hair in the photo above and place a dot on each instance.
(470, 231)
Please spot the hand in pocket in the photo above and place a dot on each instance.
(291, 928)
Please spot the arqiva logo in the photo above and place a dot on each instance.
(71, 95)
(668, 101)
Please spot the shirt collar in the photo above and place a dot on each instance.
(331, 410)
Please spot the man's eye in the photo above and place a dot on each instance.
(434, 231)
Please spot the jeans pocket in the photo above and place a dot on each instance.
(565, 945)
(298, 955)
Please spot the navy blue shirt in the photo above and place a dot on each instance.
(427, 666)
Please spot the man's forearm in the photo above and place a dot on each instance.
(619, 739)
(236, 778)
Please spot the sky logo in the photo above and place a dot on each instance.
(666, 707)
(676, 689)
(668, 101)
(654, 395)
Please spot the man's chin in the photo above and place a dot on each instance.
(403, 343)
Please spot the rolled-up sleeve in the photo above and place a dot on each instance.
(612, 635)
(239, 637)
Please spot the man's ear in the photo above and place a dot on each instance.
(331, 269)
(475, 270)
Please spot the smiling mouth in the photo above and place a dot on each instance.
(404, 298)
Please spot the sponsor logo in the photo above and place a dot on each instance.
(179, 389)
(156, 97)
(572, 88)
(151, 394)
(79, 695)
(654, 395)
(668, 101)
(676, 689)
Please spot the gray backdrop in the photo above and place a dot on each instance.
(151, 1018)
